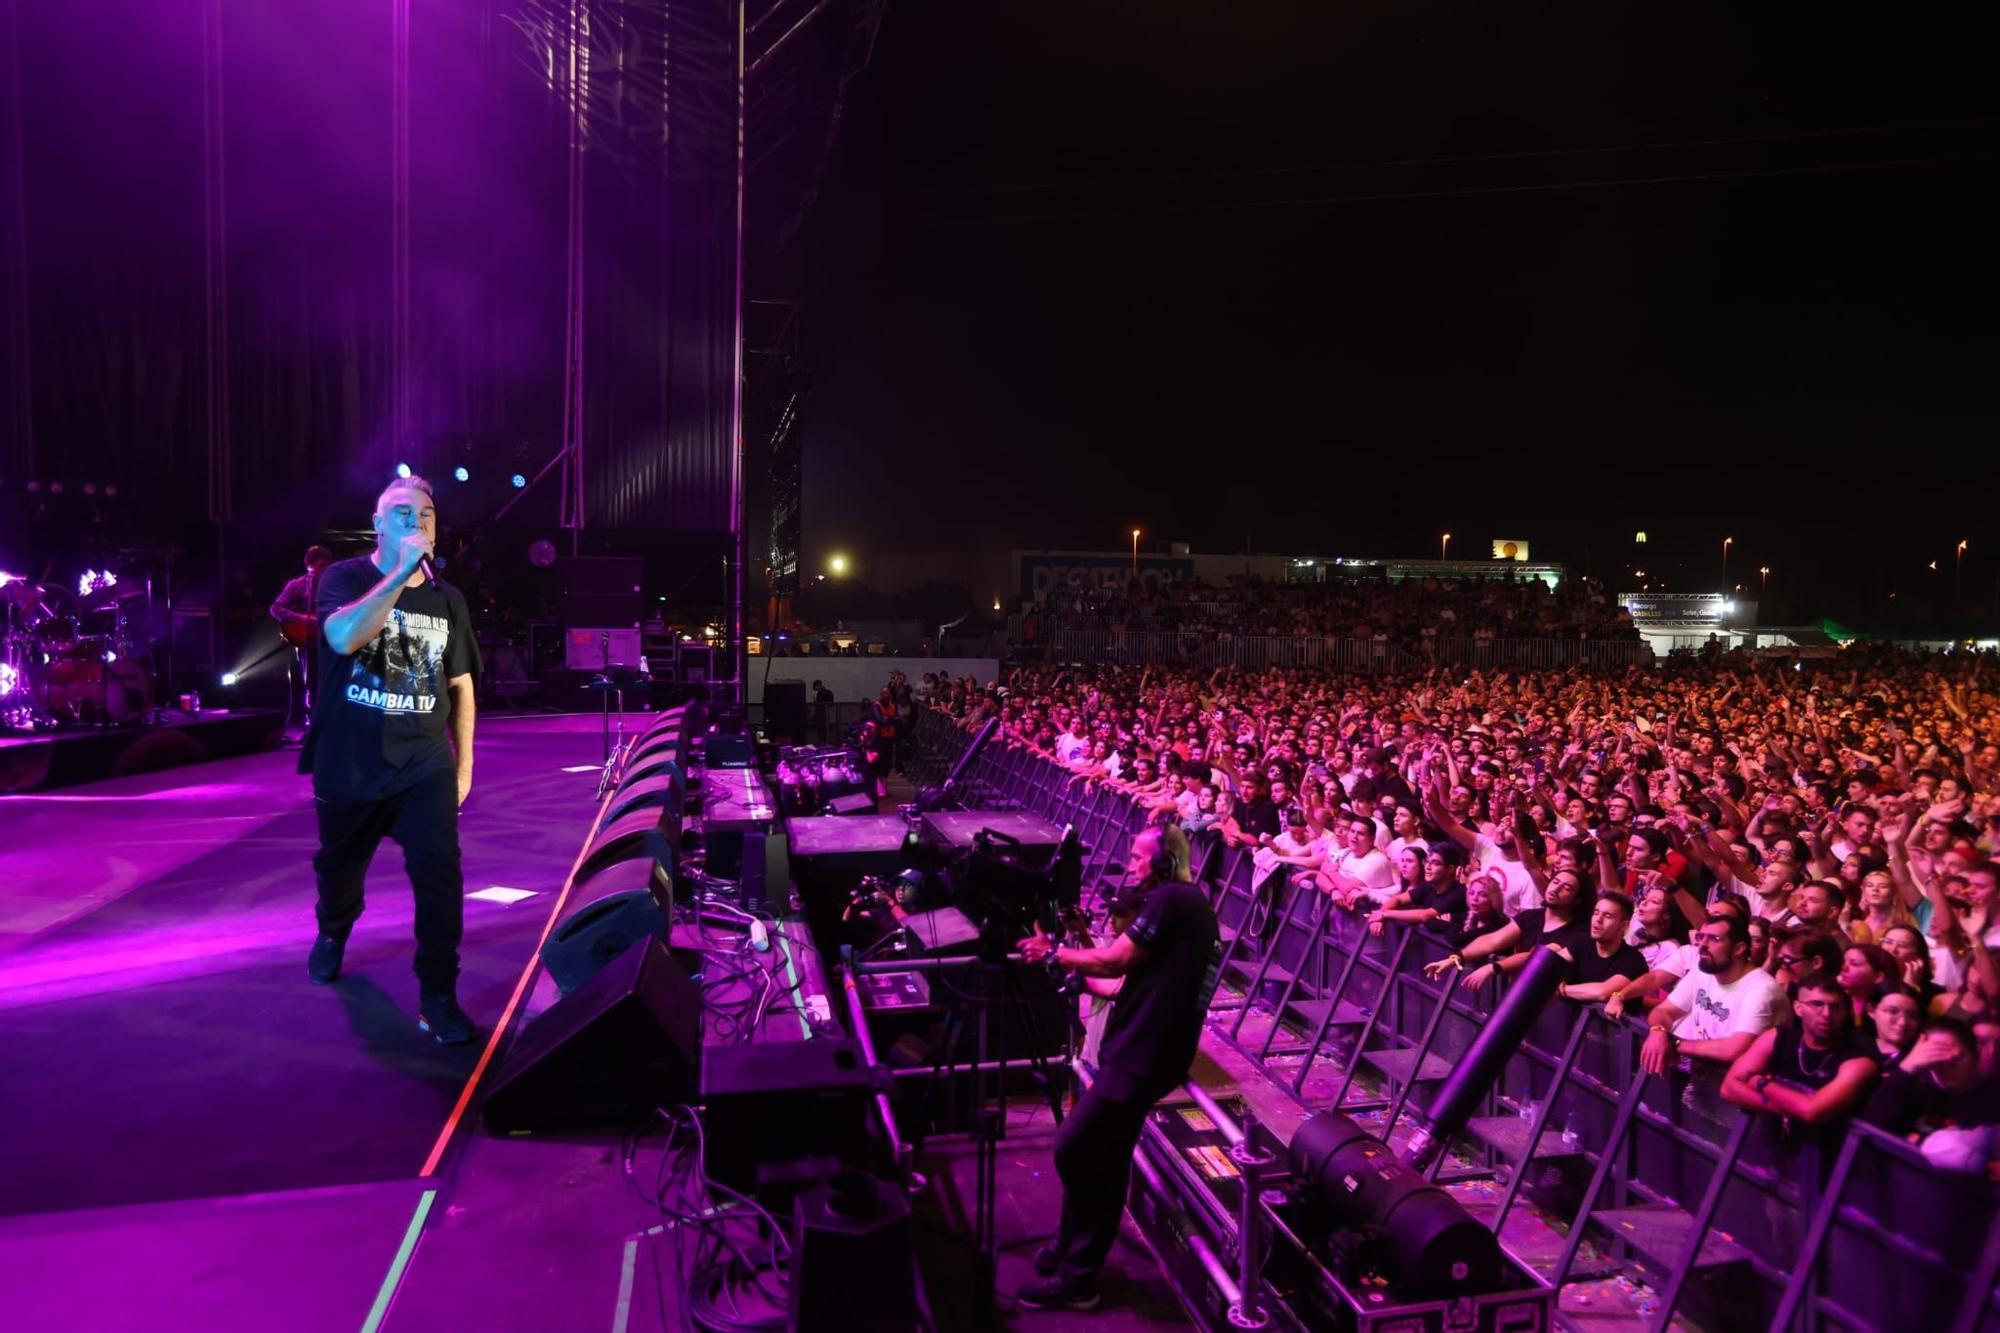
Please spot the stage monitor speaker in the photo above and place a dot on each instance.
(852, 1265)
(785, 710)
(626, 1041)
(766, 873)
(782, 1101)
(586, 942)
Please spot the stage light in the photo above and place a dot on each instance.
(403, 471)
(110, 656)
(836, 565)
(461, 474)
(10, 679)
(518, 480)
(228, 678)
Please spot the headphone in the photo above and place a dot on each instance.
(1164, 865)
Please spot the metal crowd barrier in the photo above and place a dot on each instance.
(1699, 1195)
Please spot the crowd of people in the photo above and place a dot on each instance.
(1403, 611)
(1786, 870)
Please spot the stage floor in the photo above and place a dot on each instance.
(195, 1137)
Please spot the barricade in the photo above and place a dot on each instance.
(1655, 1168)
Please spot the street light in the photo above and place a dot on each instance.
(1957, 570)
(1444, 547)
(1725, 560)
(1763, 578)
(1135, 553)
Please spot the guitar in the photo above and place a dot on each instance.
(300, 633)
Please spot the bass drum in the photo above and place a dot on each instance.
(90, 690)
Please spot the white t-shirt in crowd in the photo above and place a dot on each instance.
(1068, 746)
(1675, 956)
(1518, 891)
(1396, 846)
(1285, 844)
(1776, 909)
(1373, 872)
(1753, 1002)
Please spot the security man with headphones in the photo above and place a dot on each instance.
(1169, 958)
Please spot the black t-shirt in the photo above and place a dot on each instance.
(1155, 1023)
(1448, 903)
(1462, 929)
(1258, 816)
(1574, 936)
(1906, 1103)
(379, 725)
(1588, 966)
(1795, 1065)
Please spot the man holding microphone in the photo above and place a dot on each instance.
(390, 745)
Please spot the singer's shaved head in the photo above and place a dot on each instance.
(414, 484)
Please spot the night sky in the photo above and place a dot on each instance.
(1338, 278)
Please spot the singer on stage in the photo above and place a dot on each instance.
(1168, 959)
(390, 745)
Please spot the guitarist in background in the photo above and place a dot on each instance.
(293, 610)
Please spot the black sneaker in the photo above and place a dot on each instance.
(440, 1016)
(1056, 1294)
(323, 963)
(1048, 1259)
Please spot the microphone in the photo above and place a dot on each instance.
(429, 566)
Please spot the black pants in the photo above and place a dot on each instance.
(1094, 1158)
(423, 821)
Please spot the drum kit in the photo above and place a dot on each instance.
(810, 777)
(74, 655)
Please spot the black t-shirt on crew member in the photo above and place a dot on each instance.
(1155, 1023)
(1587, 966)
(379, 725)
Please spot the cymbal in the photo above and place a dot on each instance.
(122, 591)
(24, 594)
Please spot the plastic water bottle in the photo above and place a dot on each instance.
(644, 670)
(1572, 1135)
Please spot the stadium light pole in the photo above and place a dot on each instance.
(1135, 553)
(1957, 571)
(1725, 560)
(1444, 548)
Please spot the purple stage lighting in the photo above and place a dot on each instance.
(518, 480)
(461, 474)
(9, 679)
(403, 470)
